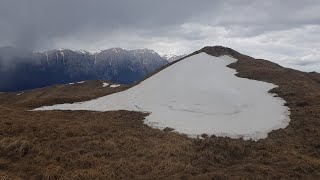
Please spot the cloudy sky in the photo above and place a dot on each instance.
(284, 31)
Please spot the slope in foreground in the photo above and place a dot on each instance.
(199, 95)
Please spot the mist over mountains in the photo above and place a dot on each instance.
(22, 69)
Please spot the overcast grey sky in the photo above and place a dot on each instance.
(284, 31)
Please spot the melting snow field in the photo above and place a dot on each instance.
(199, 95)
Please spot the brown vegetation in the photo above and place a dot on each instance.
(58, 94)
(114, 145)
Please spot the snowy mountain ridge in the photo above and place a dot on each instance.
(23, 69)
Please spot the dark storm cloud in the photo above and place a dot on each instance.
(40, 21)
(282, 30)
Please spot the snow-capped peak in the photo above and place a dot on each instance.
(83, 51)
(169, 56)
(145, 51)
(116, 49)
(172, 57)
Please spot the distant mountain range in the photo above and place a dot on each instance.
(22, 69)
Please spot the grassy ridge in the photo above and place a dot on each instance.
(113, 145)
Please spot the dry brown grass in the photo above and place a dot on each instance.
(114, 145)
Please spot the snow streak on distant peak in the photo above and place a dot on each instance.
(145, 51)
(172, 57)
(169, 55)
(83, 51)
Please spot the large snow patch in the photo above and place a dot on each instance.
(199, 95)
